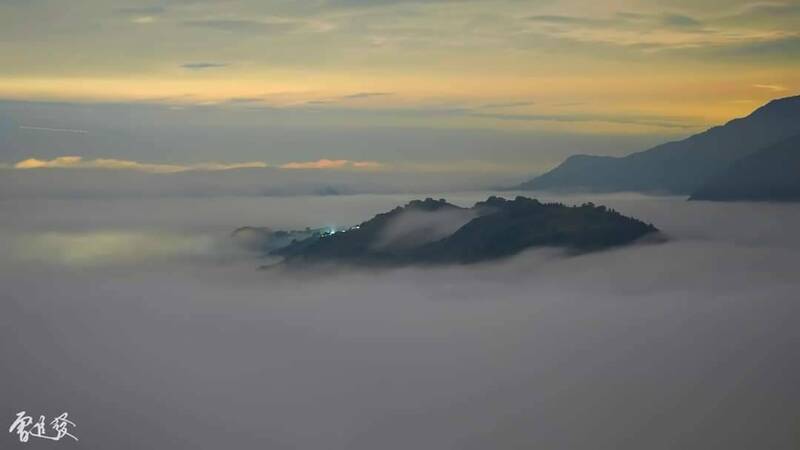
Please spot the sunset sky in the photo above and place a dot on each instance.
(629, 72)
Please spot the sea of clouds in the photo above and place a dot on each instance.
(136, 316)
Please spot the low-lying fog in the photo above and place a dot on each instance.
(137, 318)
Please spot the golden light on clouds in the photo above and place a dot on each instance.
(633, 66)
(430, 99)
(77, 162)
(334, 164)
(772, 87)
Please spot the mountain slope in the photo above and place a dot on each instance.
(679, 167)
(489, 230)
(770, 174)
(367, 239)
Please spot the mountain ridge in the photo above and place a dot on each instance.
(772, 173)
(677, 167)
(489, 230)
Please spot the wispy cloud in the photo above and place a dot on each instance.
(622, 19)
(77, 162)
(495, 111)
(143, 15)
(347, 97)
(333, 164)
(371, 165)
(243, 25)
(320, 102)
(555, 19)
(659, 122)
(680, 20)
(651, 32)
(500, 105)
(204, 65)
(771, 87)
(759, 11)
(245, 100)
(359, 95)
(55, 130)
(267, 25)
(143, 10)
(378, 3)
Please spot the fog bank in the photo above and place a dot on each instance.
(688, 344)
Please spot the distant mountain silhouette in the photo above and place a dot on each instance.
(436, 232)
(679, 167)
(770, 174)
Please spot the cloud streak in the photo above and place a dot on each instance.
(360, 95)
(771, 87)
(55, 130)
(264, 26)
(653, 32)
(78, 162)
(333, 164)
(143, 15)
(204, 65)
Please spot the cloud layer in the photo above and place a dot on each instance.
(677, 343)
